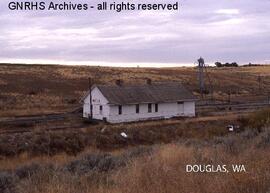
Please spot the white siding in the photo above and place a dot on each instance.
(165, 110)
(110, 112)
(189, 109)
(97, 100)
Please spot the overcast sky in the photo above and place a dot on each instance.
(223, 30)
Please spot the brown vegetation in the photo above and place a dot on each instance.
(95, 158)
(153, 169)
(37, 89)
(259, 120)
(161, 169)
(107, 137)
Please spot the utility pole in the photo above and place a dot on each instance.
(90, 98)
(260, 82)
(229, 96)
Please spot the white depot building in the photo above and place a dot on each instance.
(127, 103)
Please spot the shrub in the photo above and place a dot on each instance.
(219, 64)
(53, 143)
(97, 162)
(138, 151)
(249, 134)
(27, 171)
(259, 119)
(231, 144)
(7, 182)
(264, 139)
(104, 162)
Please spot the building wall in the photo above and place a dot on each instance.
(165, 110)
(97, 100)
(189, 109)
(110, 112)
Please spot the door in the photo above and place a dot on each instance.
(180, 108)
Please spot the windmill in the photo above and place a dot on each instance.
(202, 75)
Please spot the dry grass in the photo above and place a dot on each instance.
(164, 171)
(25, 159)
(107, 137)
(47, 89)
(259, 119)
(175, 143)
(155, 169)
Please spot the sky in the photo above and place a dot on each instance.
(223, 30)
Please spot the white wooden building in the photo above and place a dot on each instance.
(127, 103)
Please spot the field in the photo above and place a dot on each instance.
(148, 168)
(37, 89)
(45, 145)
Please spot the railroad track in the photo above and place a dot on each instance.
(22, 124)
(20, 120)
(38, 118)
(241, 106)
(33, 119)
(27, 130)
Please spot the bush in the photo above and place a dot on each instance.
(104, 162)
(97, 162)
(259, 119)
(249, 134)
(138, 151)
(219, 64)
(264, 139)
(7, 182)
(29, 170)
(51, 144)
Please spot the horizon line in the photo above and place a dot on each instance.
(112, 64)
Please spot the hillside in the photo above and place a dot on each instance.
(37, 89)
(66, 154)
(151, 168)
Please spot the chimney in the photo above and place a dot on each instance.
(148, 81)
(119, 82)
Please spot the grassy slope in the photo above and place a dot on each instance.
(154, 170)
(52, 89)
(35, 89)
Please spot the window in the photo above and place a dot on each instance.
(156, 107)
(100, 109)
(120, 109)
(137, 108)
(180, 103)
(149, 108)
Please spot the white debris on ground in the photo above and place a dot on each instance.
(233, 128)
(230, 128)
(123, 134)
(103, 130)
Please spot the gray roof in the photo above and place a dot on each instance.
(153, 93)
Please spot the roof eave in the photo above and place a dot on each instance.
(147, 102)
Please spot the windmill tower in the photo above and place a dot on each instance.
(202, 75)
(201, 66)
